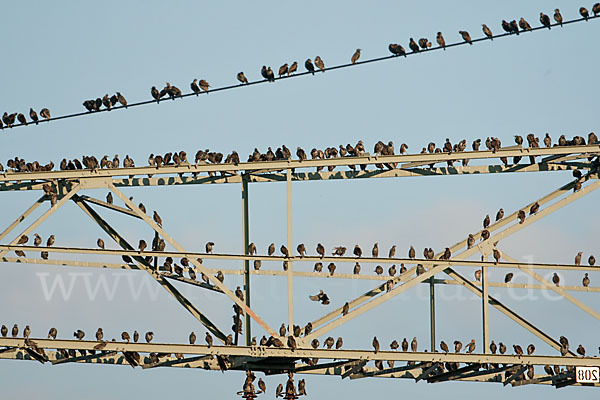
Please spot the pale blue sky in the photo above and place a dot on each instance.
(57, 55)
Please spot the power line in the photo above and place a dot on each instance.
(335, 67)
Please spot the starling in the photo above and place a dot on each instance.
(106, 102)
(394, 345)
(457, 346)
(440, 40)
(37, 240)
(514, 27)
(534, 208)
(320, 250)
(204, 85)
(271, 249)
(22, 118)
(581, 351)
(125, 336)
(283, 70)
(45, 113)
(508, 277)
(413, 46)
(319, 63)
(478, 275)
(208, 247)
(497, 255)
(411, 252)
(466, 37)
(379, 270)
(404, 345)
(355, 56)
(493, 347)
(530, 349)
(397, 49)
(524, 24)
(375, 251)
(586, 280)
(251, 248)
(242, 78)
(26, 332)
(208, 339)
(149, 336)
(357, 251)
(99, 334)
(375, 344)
(284, 251)
(596, 9)
(309, 66)
(109, 198)
(444, 347)
(100, 243)
(79, 334)
(356, 270)
(556, 279)
(545, 20)
(518, 349)
(471, 346)
(293, 68)
(194, 86)
(486, 221)
(470, 241)
(521, 216)
(157, 219)
(121, 99)
(558, 17)
(345, 308)
(413, 344)
(52, 333)
(487, 31)
(155, 93)
(584, 13)
(500, 214)
(33, 115)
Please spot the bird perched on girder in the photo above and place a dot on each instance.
(457, 346)
(26, 332)
(521, 216)
(157, 219)
(471, 346)
(15, 331)
(375, 344)
(125, 336)
(3, 331)
(79, 334)
(99, 334)
(394, 345)
(149, 336)
(592, 260)
(586, 280)
(556, 279)
(209, 247)
(413, 344)
(497, 255)
(339, 251)
(375, 251)
(355, 56)
(357, 251)
(411, 253)
(321, 296)
(301, 250)
(534, 208)
(52, 333)
(508, 277)
(444, 347)
(493, 347)
(356, 270)
(320, 250)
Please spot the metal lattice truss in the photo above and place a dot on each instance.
(431, 366)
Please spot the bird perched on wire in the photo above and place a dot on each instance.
(308, 64)
(558, 17)
(355, 56)
(524, 24)
(293, 68)
(487, 31)
(440, 40)
(584, 13)
(242, 78)
(194, 86)
(204, 85)
(466, 37)
(45, 113)
(397, 50)
(157, 219)
(209, 247)
(321, 296)
(545, 20)
(586, 280)
(283, 70)
(319, 63)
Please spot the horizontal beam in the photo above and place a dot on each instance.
(249, 167)
(307, 259)
(265, 352)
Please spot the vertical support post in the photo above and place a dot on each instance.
(484, 305)
(432, 312)
(155, 248)
(290, 248)
(246, 240)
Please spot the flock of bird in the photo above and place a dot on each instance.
(201, 85)
(284, 153)
(10, 119)
(329, 343)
